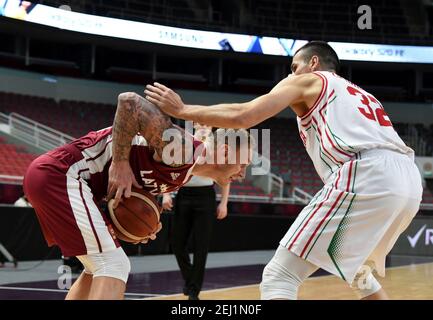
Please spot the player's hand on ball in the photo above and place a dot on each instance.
(120, 180)
(153, 235)
(165, 98)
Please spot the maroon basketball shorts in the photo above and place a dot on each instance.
(65, 206)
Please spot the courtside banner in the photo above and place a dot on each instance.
(417, 239)
(382, 52)
(132, 30)
(79, 22)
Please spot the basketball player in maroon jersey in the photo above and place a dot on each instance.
(66, 185)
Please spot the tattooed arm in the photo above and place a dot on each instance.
(137, 115)
(134, 115)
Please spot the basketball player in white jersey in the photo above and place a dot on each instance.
(372, 188)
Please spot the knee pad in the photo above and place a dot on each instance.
(283, 275)
(365, 284)
(114, 264)
(278, 283)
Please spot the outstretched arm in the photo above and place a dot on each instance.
(134, 115)
(298, 92)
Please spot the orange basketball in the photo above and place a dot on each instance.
(135, 218)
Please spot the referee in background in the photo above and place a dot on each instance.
(195, 210)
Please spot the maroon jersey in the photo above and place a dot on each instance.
(155, 177)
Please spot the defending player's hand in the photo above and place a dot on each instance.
(120, 181)
(165, 99)
(153, 235)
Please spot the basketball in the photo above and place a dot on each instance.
(135, 218)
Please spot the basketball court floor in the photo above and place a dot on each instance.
(229, 276)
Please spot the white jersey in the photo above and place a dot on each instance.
(345, 120)
(372, 186)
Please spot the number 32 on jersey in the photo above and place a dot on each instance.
(378, 114)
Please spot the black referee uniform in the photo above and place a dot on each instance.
(195, 209)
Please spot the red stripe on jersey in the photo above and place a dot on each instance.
(321, 222)
(327, 100)
(324, 123)
(350, 175)
(312, 215)
(333, 145)
(338, 178)
(303, 138)
(320, 97)
(321, 141)
(306, 124)
(324, 106)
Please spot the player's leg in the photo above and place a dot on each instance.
(109, 271)
(283, 275)
(379, 295)
(70, 218)
(204, 217)
(286, 271)
(107, 288)
(366, 286)
(105, 277)
(395, 210)
(81, 288)
(100, 253)
(181, 230)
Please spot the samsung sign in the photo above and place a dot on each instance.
(417, 239)
(79, 22)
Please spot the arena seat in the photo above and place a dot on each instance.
(287, 153)
(14, 160)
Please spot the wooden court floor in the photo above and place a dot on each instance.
(412, 282)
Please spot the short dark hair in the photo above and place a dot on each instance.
(328, 57)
